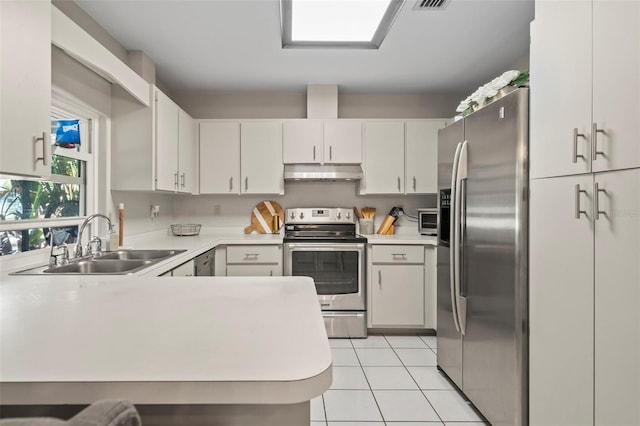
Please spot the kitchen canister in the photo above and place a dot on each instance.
(366, 226)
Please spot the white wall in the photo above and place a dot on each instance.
(137, 211)
(236, 209)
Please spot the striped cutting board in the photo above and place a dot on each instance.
(262, 215)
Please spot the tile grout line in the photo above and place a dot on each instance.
(413, 378)
(368, 383)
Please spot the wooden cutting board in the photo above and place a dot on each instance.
(262, 215)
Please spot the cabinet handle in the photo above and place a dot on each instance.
(330, 152)
(596, 192)
(231, 184)
(577, 202)
(271, 273)
(175, 180)
(594, 141)
(251, 256)
(314, 153)
(246, 183)
(44, 148)
(414, 184)
(380, 278)
(399, 256)
(398, 183)
(575, 145)
(182, 180)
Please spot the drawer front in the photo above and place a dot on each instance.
(254, 271)
(246, 255)
(397, 254)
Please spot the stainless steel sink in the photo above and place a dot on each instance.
(95, 266)
(121, 262)
(139, 254)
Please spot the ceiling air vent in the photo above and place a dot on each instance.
(430, 4)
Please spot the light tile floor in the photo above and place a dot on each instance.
(392, 381)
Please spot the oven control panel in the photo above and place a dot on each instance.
(319, 215)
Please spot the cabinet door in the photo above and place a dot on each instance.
(184, 270)
(261, 165)
(616, 84)
(561, 302)
(186, 142)
(302, 141)
(384, 157)
(254, 270)
(617, 299)
(397, 295)
(422, 156)
(343, 142)
(166, 116)
(25, 88)
(220, 158)
(560, 89)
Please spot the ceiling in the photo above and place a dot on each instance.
(233, 45)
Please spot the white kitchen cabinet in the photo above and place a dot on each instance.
(585, 84)
(25, 88)
(397, 294)
(166, 121)
(186, 153)
(261, 167)
(421, 153)
(343, 141)
(302, 141)
(585, 299)
(220, 157)
(383, 157)
(316, 141)
(152, 147)
(187, 269)
(254, 260)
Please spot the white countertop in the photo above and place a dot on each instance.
(404, 239)
(156, 340)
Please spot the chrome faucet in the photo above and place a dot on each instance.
(78, 250)
(53, 258)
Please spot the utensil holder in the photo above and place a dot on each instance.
(366, 226)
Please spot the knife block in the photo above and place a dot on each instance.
(386, 227)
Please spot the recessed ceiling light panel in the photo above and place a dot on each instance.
(337, 23)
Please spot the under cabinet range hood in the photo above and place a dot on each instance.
(326, 172)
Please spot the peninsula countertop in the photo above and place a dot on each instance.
(209, 340)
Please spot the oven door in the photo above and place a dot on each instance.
(336, 268)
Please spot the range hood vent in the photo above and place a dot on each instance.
(322, 173)
(430, 4)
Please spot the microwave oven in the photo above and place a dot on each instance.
(428, 221)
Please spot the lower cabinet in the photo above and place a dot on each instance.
(253, 260)
(184, 270)
(401, 286)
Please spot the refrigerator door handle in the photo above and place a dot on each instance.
(453, 239)
(458, 238)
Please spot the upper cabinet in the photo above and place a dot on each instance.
(584, 103)
(421, 152)
(308, 141)
(343, 141)
(152, 147)
(241, 158)
(25, 87)
(401, 157)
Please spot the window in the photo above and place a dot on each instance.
(337, 23)
(33, 209)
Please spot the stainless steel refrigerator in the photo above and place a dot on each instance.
(482, 328)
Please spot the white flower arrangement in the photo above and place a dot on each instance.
(491, 89)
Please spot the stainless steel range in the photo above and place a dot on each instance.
(322, 243)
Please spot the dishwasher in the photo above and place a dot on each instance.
(204, 264)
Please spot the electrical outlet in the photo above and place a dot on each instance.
(155, 211)
(217, 210)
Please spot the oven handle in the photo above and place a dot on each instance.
(359, 247)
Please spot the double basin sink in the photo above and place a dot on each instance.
(121, 262)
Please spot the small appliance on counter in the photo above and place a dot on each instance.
(428, 221)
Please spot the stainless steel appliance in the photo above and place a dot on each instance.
(204, 264)
(482, 257)
(428, 221)
(322, 243)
